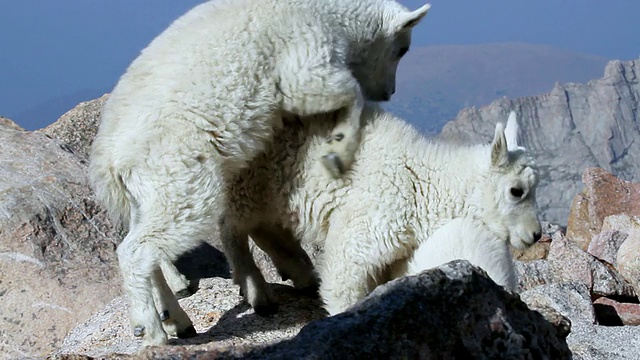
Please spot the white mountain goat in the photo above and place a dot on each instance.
(401, 190)
(472, 239)
(204, 98)
(468, 239)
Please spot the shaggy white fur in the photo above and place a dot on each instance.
(401, 190)
(204, 98)
(469, 239)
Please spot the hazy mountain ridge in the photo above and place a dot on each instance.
(435, 82)
(574, 126)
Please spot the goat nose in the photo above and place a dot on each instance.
(537, 236)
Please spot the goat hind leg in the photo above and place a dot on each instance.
(138, 260)
(174, 319)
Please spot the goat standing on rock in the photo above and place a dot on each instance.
(203, 100)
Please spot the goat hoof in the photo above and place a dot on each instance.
(186, 292)
(138, 331)
(284, 276)
(164, 315)
(189, 332)
(333, 164)
(266, 310)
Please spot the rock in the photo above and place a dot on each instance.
(571, 299)
(454, 310)
(532, 274)
(628, 259)
(572, 127)
(603, 195)
(78, 126)
(611, 312)
(568, 263)
(586, 340)
(582, 230)
(57, 248)
(605, 245)
(592, 342)
(620, 222)
(9, 124)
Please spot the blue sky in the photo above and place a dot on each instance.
(79, 48)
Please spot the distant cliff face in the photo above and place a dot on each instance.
(573, 127)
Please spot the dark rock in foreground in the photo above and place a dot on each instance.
(453, 311)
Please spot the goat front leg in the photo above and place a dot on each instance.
(253, 286)
(329, 90)
(175, 320)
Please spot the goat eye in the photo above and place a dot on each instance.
(402, 51)
(517, 192)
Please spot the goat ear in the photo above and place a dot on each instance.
(407, 20)
(499, 152)
(511, 132)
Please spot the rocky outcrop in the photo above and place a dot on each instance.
(8, 123)
(590, 275)
(57, 261)
(57, 267)
(77, 127)
(453, 311)
(573, 127)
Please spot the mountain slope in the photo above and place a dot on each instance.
(573, 127)
(435, 82)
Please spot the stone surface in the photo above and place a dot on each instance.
(452, 311)
(604, 195)
(8, 123)
(571, 299)
(605, 245)
(568, 263)
(572, 127)
(589, 342)
(612, 312)
(532, 274)
(628, 259)
(78, 126)
(57, 248)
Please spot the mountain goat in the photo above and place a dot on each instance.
(401, 190)
(470, 239)
(203, 100)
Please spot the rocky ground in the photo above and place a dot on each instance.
(60, 291)
(587, 288)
